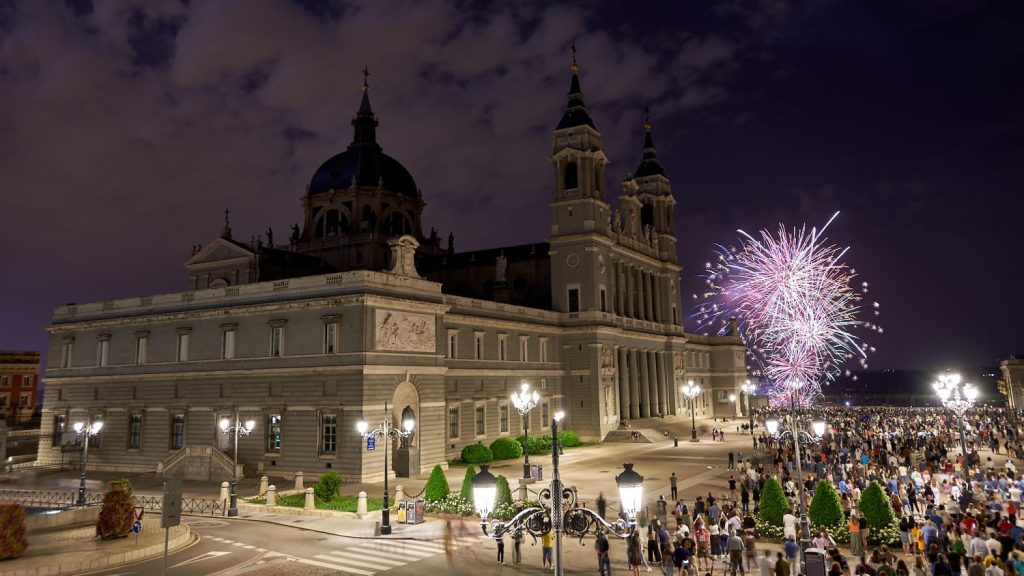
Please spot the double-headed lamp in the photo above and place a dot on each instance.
(631, 490)
(772, 424)
(485, 491)
(408, 424)
(362, 426)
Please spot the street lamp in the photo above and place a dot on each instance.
(749, 390)
(732, 399)
(818, 427)
(690, 391)
(570, 519)
(524, 401)
(385, 432)
(959, 399)
(235, 428)
(85, 430)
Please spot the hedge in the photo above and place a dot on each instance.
(327, 486)
(504, 497)
(506, 449)
(13, 540)
(826, 509)
(437, 486)
(876, 507)
(773, 504)
(467, 484)
(569, 439)
(534, 444)
(477, 454)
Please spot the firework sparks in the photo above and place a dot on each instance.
(795, 303)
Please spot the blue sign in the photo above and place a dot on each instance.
(137, 527)
(371, 443)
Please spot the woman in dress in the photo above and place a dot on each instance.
(634, 552)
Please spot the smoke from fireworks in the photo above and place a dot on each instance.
(795, 304)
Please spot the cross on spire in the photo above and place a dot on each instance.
(575, 67)
(647, 118)
(226, 233)
(366, 75)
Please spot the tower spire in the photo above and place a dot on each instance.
(649, 165)
(364, 122)
(575, 111)
(226, 233)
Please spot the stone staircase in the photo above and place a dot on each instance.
(198, 462)
(636, 435)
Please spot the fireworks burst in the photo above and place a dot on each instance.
(795, 303)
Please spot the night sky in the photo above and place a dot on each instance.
(127, 127)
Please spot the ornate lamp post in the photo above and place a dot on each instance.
(385, 432)
(85, 430)
(957, 398)
(690, 391)
(552, 514)
(524, 401)
(749, 389)
(235, 428)
(818, 427)
(737, 407)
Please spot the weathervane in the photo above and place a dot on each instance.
(366, 75)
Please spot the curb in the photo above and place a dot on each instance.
(108, 561)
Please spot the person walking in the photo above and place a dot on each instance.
(547, 544)
(653, 550)
(449, 541)
(792, 549)
(734, 547)
(501, 549)
(767, 565)
(634, 552)
(781, 565)
(673, 482)
(517, 540)
(604, 564)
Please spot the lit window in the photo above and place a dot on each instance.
(503, 417)
(502, 341)
(135, 431)
(227, 344)
(543, 350)
(60, 422)
(26, 380)
(66, 349)
(524, 348)
(103, 350)
(141, 349)
(330, 337)
(478, 344)
(274, 433)
(453, 421)
(177, 431)
(328, 433)
(276, 341)
(183, 338)
(479, 418)
(453, 343)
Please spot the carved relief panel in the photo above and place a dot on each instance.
(404, 332)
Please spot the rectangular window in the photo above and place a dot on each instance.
(524, 348)
(26, 381)
(227, 344)
(574, 299)
(453, 421)
(177, 431)
(453, 343)
(502, 347)
(3, 400)
(141, 349)
(328, 433)
(183, 338)
(60, 422)
(330, 337)
(478, 345)
(545, 417)
(102, 351)
(479, 417)
(276, 341)
(543, 350)
(23, 401)
(503, 417)
(274, 433)
(65, 353)
(94, 439)
(135, 431)
(604, 306)
(5, 381)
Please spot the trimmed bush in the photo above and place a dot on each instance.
(534, 445)
(118, 511)
(477, 454)
(467, 484)
(544, 443)
(876, 507)
(773, 504)
(826, 509)
(506, 449)
(569, 439)
(326, 488)
(13, 542)
(504, 496)
(437, 486)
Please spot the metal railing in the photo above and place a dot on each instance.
(62, 499)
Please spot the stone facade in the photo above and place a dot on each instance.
(19, 383)
(310, 337)
(1012, 381)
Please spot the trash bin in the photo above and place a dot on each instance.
(402, 516)
(815, 562)
(414, 511)
(537, 472)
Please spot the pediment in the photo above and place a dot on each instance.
(219, 250)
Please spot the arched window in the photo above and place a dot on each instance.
(332, 222)
(408, 413)
(570, 178)
(647, 215)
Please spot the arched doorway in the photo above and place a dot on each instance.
(406, 404)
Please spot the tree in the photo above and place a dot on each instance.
(504, 496)
(118, 511)
(13, 540)
(826, 509)
(467, 484)
(876, 507)
(437, 485)
(773, 505)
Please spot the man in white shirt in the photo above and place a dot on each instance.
(978, 546)
(994, 546)
(734, 524)
(767, 565)
(789, 526)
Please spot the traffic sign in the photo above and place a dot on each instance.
(371, 443)
(137, 526)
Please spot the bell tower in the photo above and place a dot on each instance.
(647, 199)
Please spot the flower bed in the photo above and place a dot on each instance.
(338, 503)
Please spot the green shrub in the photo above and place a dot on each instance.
(544, 443)
(504, 496)
(477, 454)
(326, 488)
(466, 493)
(569, 439)
(773, 505)
(437, 486)
(118, 512)
(826, 509)
(534, 445)
(876, 507)
(506, 449)
(13, 542)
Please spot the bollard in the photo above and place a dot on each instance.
(264, 481)
(523, 494)
(225, 492)
(310, 505)
(298, 481)
(272, 495)
(399, 493)
(361, 505)
(676, 440)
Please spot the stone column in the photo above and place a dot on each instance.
(648, 302)
(659, 312)
(630, 311)
(639, 290)
(623, 375)
(663, 388)
(645, 390)
(657, 405)
(620, 290)
(634, 386)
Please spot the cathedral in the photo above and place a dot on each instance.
(360, 315)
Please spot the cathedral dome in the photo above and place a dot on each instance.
(363, 166)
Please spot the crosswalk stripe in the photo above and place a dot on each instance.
(410, 544)
(420, 553)
(369, 552)
(337, 565)
(363, 555)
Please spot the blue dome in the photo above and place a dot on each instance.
(365, 166)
